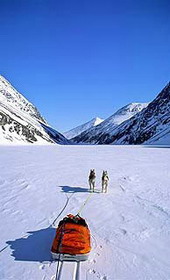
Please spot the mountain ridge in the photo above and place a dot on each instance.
(146, 127)
(109, 124)
(20, 120)
(80, 128)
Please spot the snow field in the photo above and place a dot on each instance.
(130, 225)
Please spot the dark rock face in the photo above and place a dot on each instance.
(56, 136)
(26, 132)
(149, 125)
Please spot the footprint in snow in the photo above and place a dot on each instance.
(26, 186)
(42, 266)
(100, 247)
(123, 231)
(91, 271)
(92, 261)
(96, 254)
(134, 178)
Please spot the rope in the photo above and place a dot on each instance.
(52, 224)
(84, 204)
(67, 201)
(78, 213)
(4, 248)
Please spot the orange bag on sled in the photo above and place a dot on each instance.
(72, 240)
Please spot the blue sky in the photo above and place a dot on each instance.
(79, 59)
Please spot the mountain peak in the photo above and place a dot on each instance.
(96, 121)
(81, 128)
(132, 107)
(125, 113)
(109, 124)
(135, 123)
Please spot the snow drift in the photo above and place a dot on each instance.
(130, 225)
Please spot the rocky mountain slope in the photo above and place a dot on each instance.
(150, 126)
(20, 121)
(107, 126)
(81, 128)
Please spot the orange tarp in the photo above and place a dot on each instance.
(72, 238)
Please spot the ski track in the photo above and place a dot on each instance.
(130, 225)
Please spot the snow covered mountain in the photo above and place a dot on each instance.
(81, 128)
(16, 100)
(20, 121)
(107, 126)
(150, 126)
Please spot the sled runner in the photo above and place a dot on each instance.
(72, 240)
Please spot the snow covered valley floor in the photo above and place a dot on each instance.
(130, 225)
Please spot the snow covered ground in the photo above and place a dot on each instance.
(130, 225)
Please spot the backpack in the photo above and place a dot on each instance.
(72, 238)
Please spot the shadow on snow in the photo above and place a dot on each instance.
(157, 146)
(34, 247)
(69, 189)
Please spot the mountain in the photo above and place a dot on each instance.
(150, 126)
(81, 128)
(155, 121)
(21, 122)
(93, 135)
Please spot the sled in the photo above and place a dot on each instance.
(72, 240)
(68, 257)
